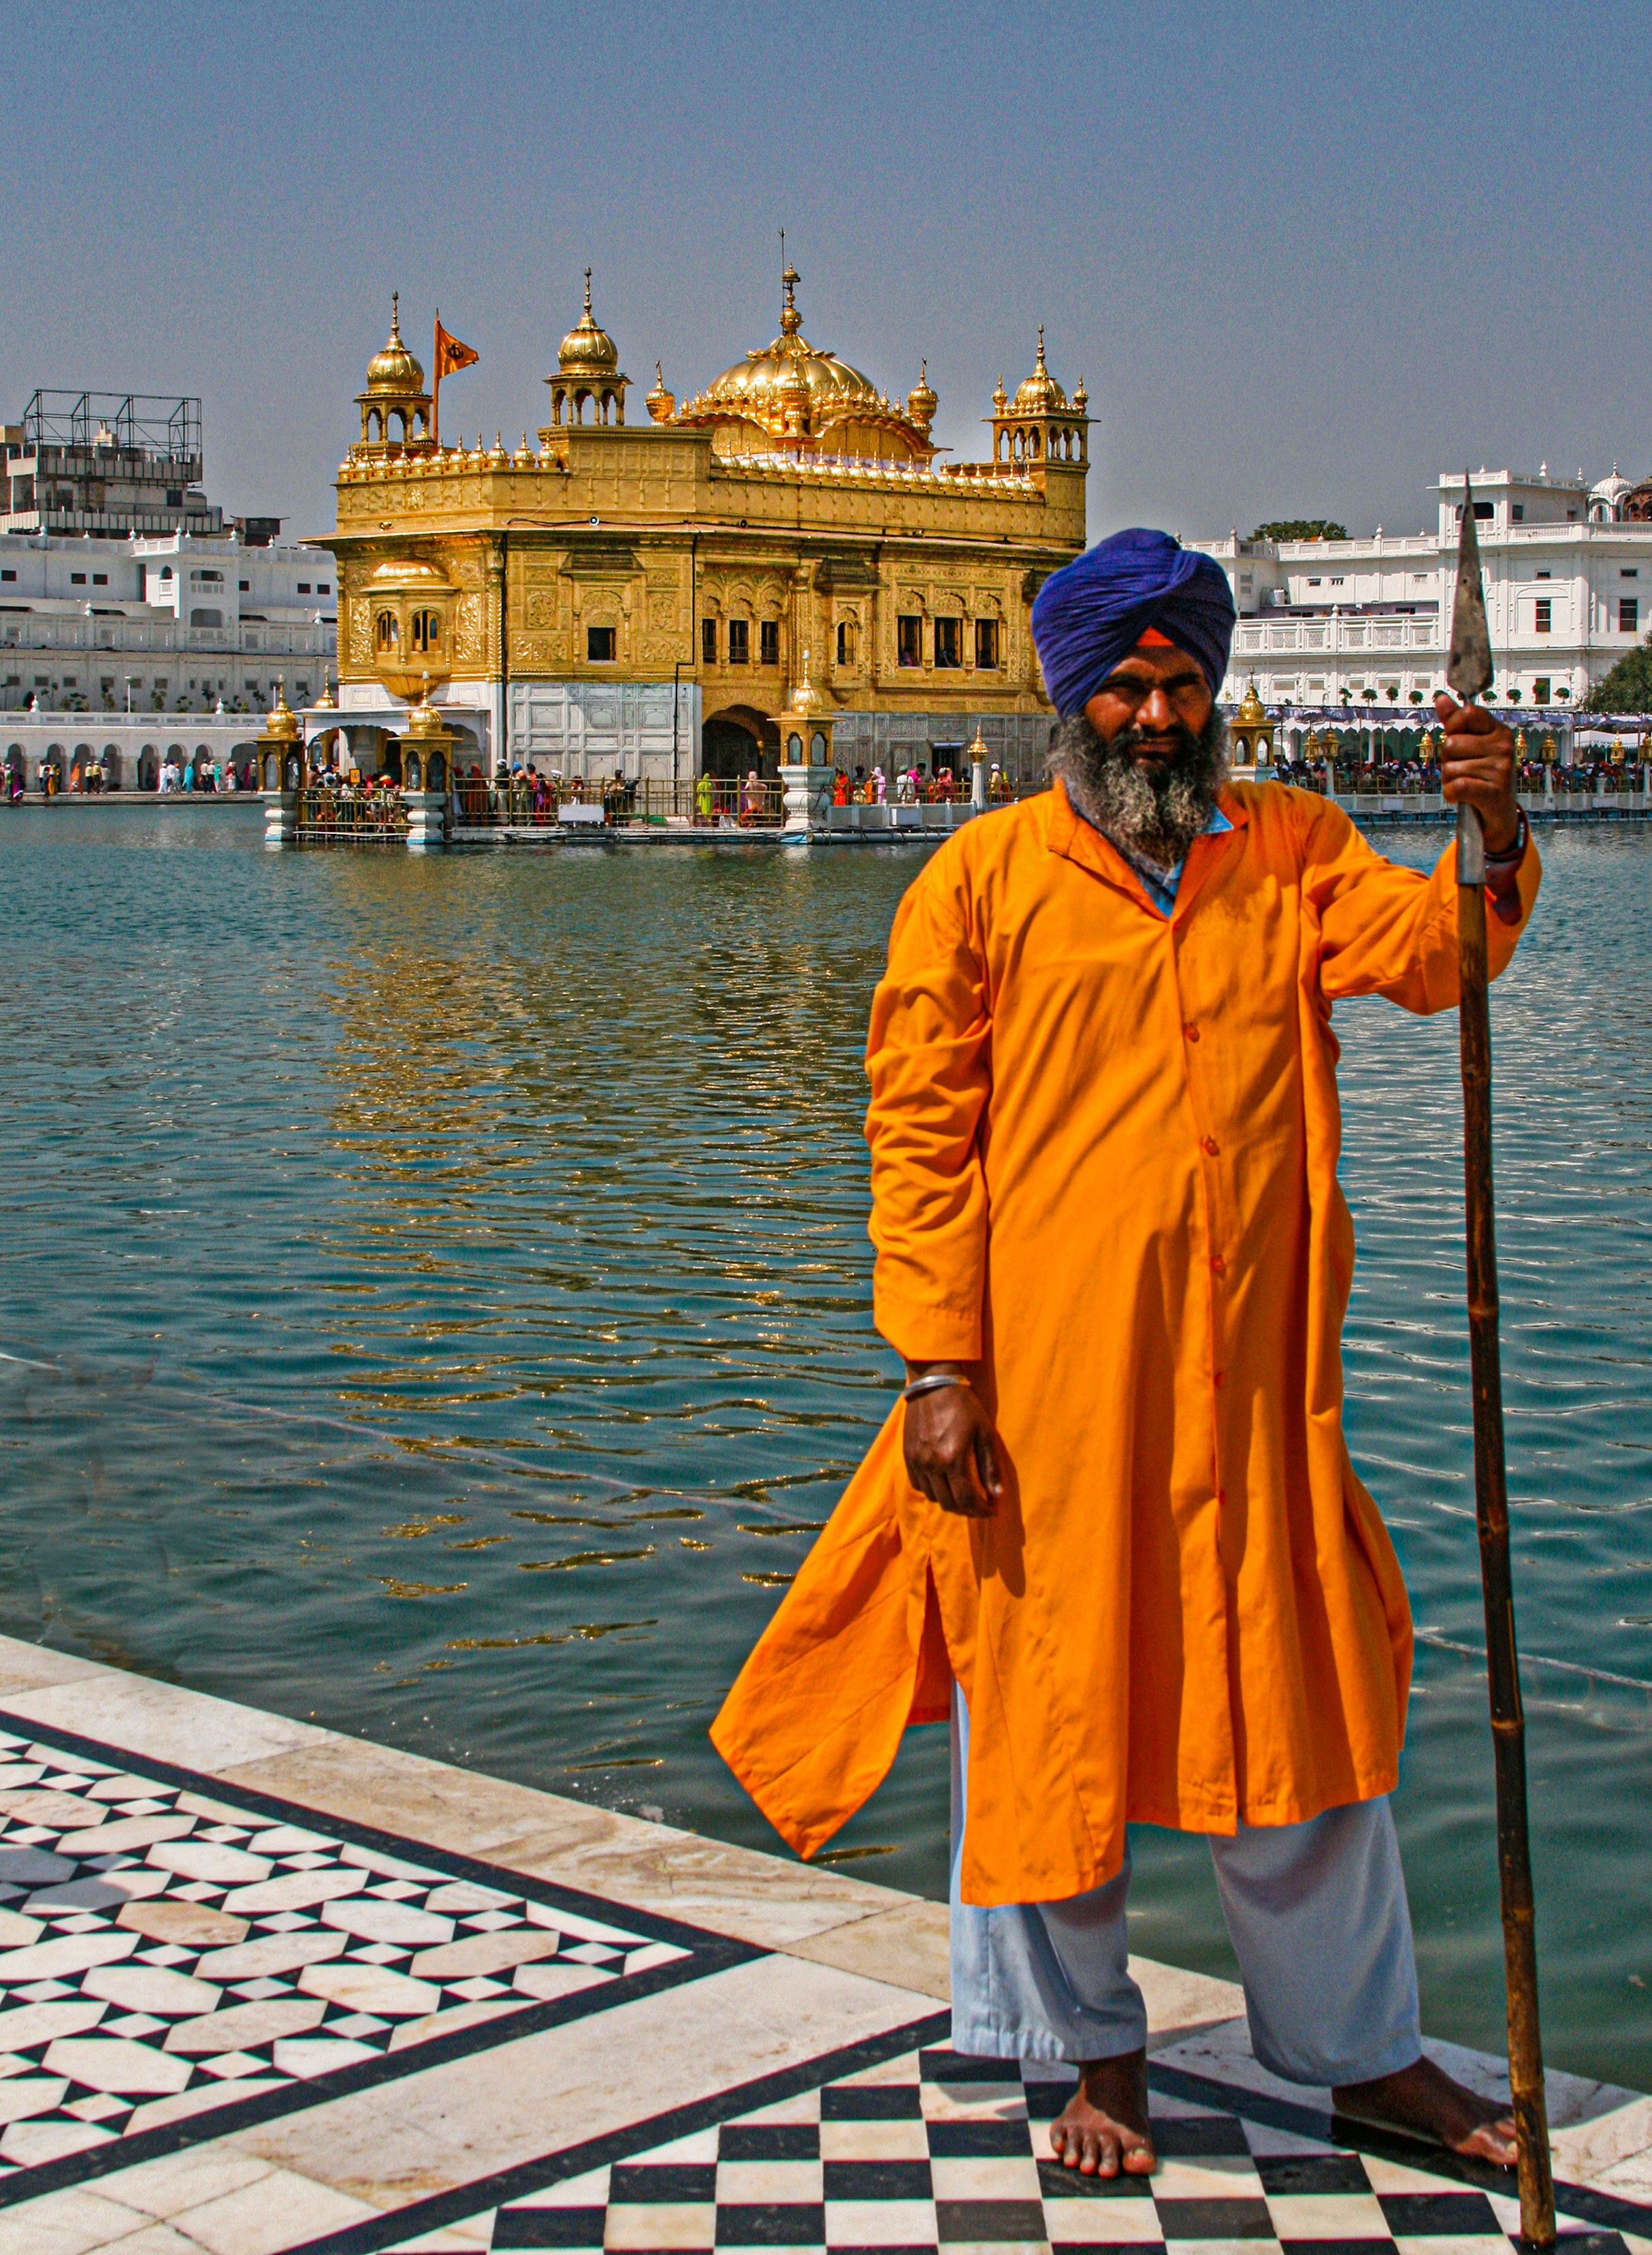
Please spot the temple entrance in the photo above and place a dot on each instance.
(734, 742)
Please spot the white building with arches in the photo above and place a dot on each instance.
(1335, 623)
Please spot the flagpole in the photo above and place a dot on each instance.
(436, 384)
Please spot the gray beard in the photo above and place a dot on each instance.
(1143, 808)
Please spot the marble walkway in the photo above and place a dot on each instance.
(264, 1988)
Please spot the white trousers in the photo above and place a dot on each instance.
(1316, 1913)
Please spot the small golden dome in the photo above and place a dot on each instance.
(806, 702)
(424, 722)
(1038, 394)
(284, 722)
(921, 401)
(660, 403)
(1252, 713)
(587, 350)
(1082, 398)
(404, 575)
(394, 370)
(1000, 398)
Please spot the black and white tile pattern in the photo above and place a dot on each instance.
(930, 2152)
(176, 1957)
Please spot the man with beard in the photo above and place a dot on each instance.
(1111, 1528)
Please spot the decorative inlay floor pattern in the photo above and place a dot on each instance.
(932, 2152)
(176, 1957)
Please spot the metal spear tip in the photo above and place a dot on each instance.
(1468, 670)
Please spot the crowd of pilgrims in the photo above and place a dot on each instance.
(538, 796)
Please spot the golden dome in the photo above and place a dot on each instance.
(806, 700)
(921, 401)
(1039, 394)
(788, 391)
(394, 370)
(587, 350)
(1252, 713)
(660, 403)
(424, 722)
(404, 575)
(284, 722)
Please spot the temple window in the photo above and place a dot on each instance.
(986, 645)
(1545, 614)
(769, 641)
(426, 630)
(1628, 614)
(739, 641)
(909, 639)
(950, 642)
(387, 631)
(708, 641)
(599, 644)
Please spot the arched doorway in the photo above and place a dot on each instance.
(149, 767)
(734, 742)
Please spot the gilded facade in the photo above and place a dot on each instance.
(646, 595)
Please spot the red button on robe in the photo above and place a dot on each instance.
(1104, 1151)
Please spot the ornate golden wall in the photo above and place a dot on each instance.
(641, 530)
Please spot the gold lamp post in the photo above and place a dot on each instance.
(280, 754)
(1251, 732)
(427, 767)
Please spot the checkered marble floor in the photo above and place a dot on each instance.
(173, 1953)
(932, 2150)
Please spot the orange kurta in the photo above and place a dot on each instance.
(1104, 1152)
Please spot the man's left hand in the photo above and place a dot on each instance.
(1478, 764)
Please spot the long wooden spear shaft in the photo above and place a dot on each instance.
(1469, 672)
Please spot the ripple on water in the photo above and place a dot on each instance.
(438, 1301)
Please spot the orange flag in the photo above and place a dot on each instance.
(451, 356)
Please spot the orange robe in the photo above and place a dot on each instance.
(1104, 1152)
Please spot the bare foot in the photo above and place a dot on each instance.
(1423, 2102)
(1103, 2127)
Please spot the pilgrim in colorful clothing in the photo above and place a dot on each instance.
(1112, 1531)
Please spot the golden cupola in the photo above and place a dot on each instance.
(587, 370)
(1041, 425)
(660, 401)
(790, 397)
(396, 407)
(921, 401)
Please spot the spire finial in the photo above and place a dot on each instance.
(396, 314)
(1042, 370)
(791, 321)
(587, 293)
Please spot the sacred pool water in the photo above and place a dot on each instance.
(436, 1299)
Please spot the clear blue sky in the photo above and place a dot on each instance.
(1304, 259)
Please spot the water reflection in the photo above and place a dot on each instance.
(440, 1304)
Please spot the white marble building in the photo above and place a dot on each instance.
(176, 624)
(1328, 622)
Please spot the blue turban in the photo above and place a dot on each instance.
(1098, 609)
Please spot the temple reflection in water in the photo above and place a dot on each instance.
(647, 597)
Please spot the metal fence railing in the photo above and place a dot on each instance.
(350, 815)
(525, 802)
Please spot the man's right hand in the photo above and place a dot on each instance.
(952, 1451)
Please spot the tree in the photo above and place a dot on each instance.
(1628, 688)
(1300, 528)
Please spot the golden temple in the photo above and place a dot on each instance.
(648, 597)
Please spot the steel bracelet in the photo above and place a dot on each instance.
(931, 1382)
